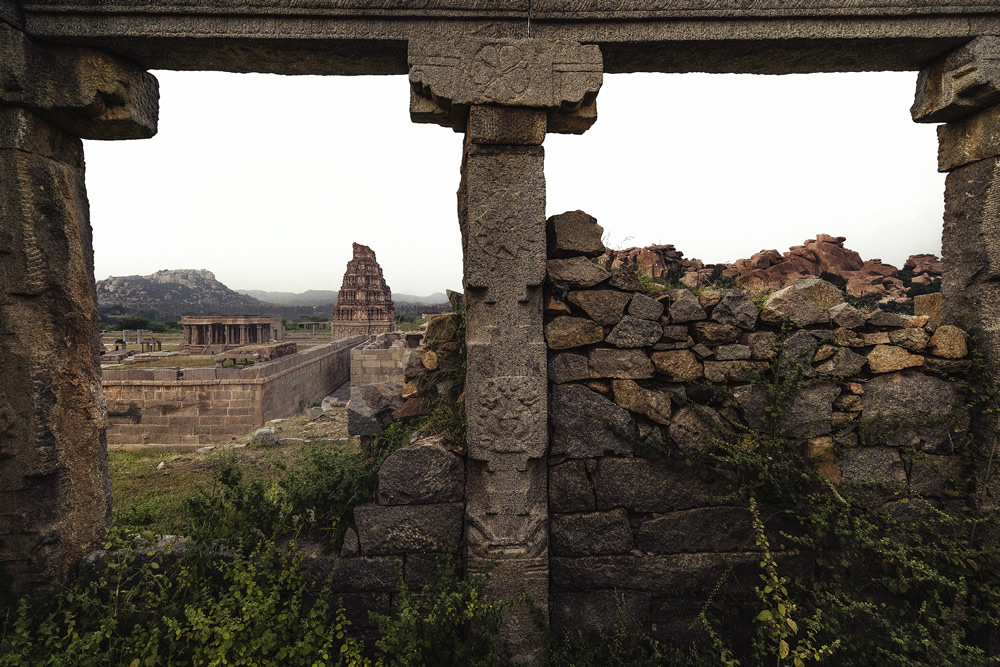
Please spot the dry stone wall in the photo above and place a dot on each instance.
(192, 406)
(642, 386)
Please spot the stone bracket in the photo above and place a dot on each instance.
(449, 76)
(85, 92)
(962, 82)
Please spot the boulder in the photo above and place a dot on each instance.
(567, 332)
(574, 233)
(804, 302)
(424, 472)
(576, 272)
(441, 328)
(928, 305)
(881, 318)
(733, 371)
(873, 465)
(371, 406)
(585, 424)
(604, 306)
(635, 332)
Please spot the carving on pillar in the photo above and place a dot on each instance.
(964, 81)
(449, 76)
(508, 416)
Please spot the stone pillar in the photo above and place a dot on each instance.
(505, 94)
(55, 496)
(962, 90)
(243, 334)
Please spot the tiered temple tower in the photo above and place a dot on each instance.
(364, 305)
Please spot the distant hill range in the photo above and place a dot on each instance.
(322, 297)
(171, 293)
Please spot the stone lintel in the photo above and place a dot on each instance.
(969, 139)
(960, 83)
(85, 92)
(448, 76)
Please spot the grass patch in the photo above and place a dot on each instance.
(183, 361)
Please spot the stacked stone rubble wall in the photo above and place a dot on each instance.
(193, 406)
(642, 384)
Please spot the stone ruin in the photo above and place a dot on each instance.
(364, 303)
(505, 77)
(206, 334)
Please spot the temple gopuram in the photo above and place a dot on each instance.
(364, 304)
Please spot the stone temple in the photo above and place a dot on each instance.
(364, 304)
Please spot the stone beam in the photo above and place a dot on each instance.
(84, 92)
(964, 81)
(505, 94)
(55, 495)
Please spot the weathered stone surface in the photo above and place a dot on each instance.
(914, 340)
(570, 488)
(678, 365)
(623, 364)
(450, 72)
(424, 472)
(965, 80)
(881, 318)
(843, 363)
(732, 353)
(809, 415)
(54, 485)
(673, 574)
(395, 529)
(846, 315)
(736, 308)
(697, 428)
(554, 306)
(635, 332)
(644, 485)
(645, 307)
(568, 367)
(85, 92)
(763, 344)
(489, 124)
(948, 342)
(625, 279)
(604, 306)
(876, 338)
(804, 302)
(888, 358)
(653, 404)
(566, 332)
(590, 534)
(873, 465)
(440, 328)
(592, 612)
(928, 305)
(821, 451)
(684, 307)
(264, 437)
(576, 272)
(714, 333)
(585, 424)
(573, 233)
(733, 371)
(676, 333)
(797, 352)
(350, 547)
(371, 406)
(936, 475)
(909, 409)
(356, 575)
(698, 530)
(970, 139)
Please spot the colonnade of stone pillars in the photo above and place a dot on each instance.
(55, 496)
(505, 95)
(962, 90)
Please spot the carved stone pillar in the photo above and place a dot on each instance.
(962, 90)
(505, 95)
(55, 496)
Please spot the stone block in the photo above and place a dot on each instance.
(570, 488)
(633, 332)
(371, 406)
(889, 358)
(948, 342)
(621, 364)
(936, 475)
(604, 306)
(698, 530)
(960, 83)
(733, 371)
(873, 465)
(714, 333)
(910, 409)
(698, 428)
(809, 415)
(847, 316)
(685, 307)
(928, 305)
(568, 367)
(397, 529)
(674, 574)
(733, 352)
(575, 272)
(585, 424)
(644, 485)
(912, 339)
(573, 233)
(355, 575)
(490, 124)
(590, 533)
(736, 308)
(592, 612)
(653, 404)
(567, 332)
(424, 472)
(970, 139)
(804, 302)
(678, 365)
(645, 307)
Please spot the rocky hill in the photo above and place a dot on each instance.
(175, 292)
(319, 297)
(825, 256)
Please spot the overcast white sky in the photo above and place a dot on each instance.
(266, 180)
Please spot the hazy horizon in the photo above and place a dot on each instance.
(267, 180)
